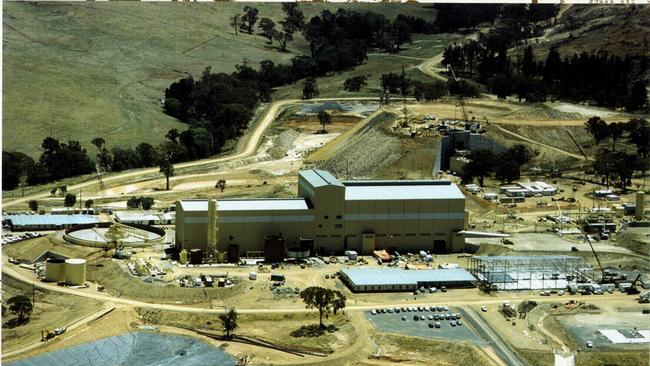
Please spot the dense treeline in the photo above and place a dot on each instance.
(607, 80)
(506, 166)
(58, 161)
(510, 17)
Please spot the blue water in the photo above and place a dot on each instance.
(135, 349)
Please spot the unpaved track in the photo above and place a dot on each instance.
(577, 156)
(10, 270)
(246, 147)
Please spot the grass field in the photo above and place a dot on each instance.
(51, 310)
(82, 70)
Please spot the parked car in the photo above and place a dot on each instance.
(484, 308)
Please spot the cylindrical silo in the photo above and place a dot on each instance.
(212, 225)
(54, 270)
(75, 272)
(638, 211)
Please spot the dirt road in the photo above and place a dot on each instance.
(246, 146)
(577, 156)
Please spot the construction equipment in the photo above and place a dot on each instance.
(607, 277)
(632, 290)
(460, 97)
(645, 298)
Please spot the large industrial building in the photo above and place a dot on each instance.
(331, 217)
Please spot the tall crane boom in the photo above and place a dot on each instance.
(461, 99)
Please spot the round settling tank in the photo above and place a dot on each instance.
(54, 270)
(75, 272)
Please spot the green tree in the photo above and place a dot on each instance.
(640, 136)
(268, 27)
(481, 164)
(323, 299)
(173, 135)
(147, 202)
(70, 199)
(507, 171)
(146, 154)
(282, 38)
(638, 98)
(21, 306)
(134, 202)
(249, 18)
(33, 205)
(324, 118)
(103, 155)
(294, 18)
(235, 23)
(310, 88)
(89, 203)
(355, 84)
(167, 168)
(615, 132)
(597, 128)
(229, 321)
(528, 65)
(501, 86)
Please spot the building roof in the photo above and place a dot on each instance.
(394, 276)
(137, 216)
(319, 178)
(401, 190)
(266, 204)
(194, 205)
(52, 220)
(525, 257)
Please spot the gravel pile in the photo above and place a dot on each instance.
(364, 155)
(283, 143)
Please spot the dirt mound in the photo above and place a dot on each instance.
(492, 249)
(634, 239)
(364, 155)
(283, 143)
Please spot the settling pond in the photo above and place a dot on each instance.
(135, 349)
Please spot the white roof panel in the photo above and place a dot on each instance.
(406, 190)
(194, 205)
(394, 276)
(262, 205)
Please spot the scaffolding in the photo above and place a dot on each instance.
(528, 272)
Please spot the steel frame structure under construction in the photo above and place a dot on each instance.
(528, 272)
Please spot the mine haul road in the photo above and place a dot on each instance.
(246, 146)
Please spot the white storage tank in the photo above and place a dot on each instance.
(75, 272)
(54, 270)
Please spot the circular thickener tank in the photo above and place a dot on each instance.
(75, 272)
(54, 270)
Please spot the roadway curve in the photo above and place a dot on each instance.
(246, 147)
(577, 156)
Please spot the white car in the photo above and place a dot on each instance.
(590, 344)
(484, 309)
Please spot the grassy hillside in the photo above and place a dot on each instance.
(82, 70)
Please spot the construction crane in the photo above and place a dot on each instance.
(607, 278)
(461, 99)
(632, 290)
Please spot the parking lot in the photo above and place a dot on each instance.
(435, 321)
(9, 239)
